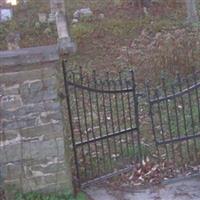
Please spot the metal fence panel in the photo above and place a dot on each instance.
(175, 118)
(104, 122)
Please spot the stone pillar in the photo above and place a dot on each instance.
(34, 154)
(34, 131)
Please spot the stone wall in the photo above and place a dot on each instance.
(32, 144)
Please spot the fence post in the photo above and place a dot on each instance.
(136, 108)
(148, 91)
(69, 124)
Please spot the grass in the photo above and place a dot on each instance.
(25, 22)
(124, 154)
(100, 42)
(103, 164)
(57, 196)
(97, 39)
(182, 120)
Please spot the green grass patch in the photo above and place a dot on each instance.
(160, 24)
(123, 27)
(81, 30)
(56, 196)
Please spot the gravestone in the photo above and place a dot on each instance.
(5, 14)
(13, 40)
(42, 17)
(56, 5)
(82, 13)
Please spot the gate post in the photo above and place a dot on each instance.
(65, 47)
(136, 109)
(67, 142)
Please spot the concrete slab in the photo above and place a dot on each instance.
(99, 193)
(184, 189)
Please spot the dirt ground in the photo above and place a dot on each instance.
(187, 188)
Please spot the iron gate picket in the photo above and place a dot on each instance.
(175, 118)
(104, 124)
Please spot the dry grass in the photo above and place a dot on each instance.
(105, 45)
(101, 42)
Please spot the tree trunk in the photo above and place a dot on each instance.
(192, 14)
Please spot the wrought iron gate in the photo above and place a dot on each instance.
(175, 119)
(104, 124)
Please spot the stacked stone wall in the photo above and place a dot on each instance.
(32, 145)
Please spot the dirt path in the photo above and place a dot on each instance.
(184, 189)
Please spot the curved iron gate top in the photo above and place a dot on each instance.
(104, 124)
